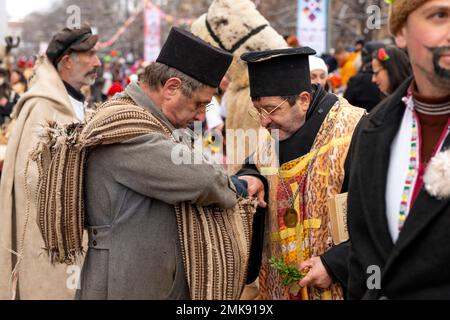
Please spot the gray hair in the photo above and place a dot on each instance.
(156, 75)
(73, 56)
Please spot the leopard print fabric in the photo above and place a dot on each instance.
(312, 235)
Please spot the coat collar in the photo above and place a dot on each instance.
(302, 141)
(135, 92)
(376, 140)
(424, 211)
(46, 84)
(383, 113)
(74, 93)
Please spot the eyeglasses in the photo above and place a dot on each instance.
(204, 108)
(196, 107)
(262, 114)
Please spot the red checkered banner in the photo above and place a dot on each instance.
(312, 24)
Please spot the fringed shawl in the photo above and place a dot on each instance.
(215, 243)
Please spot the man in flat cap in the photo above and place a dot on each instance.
(399, 187)
(69, 63)
(138, 245)
(72, 52)
(314, 130)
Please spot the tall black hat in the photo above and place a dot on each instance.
(195, 57)
(282, 72)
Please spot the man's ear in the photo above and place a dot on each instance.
(171, 86)
(305, 100)
(66, 61)
(400, 38)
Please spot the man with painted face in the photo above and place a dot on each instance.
(399, 188)
(314, 130)
(69, 63)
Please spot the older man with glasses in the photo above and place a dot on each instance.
(314, 129)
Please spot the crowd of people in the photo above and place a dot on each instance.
(103, 154)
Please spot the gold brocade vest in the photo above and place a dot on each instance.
(312, 235)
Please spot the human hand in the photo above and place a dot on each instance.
(317, 275)
(255, 189)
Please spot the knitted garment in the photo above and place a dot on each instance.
(215, 243)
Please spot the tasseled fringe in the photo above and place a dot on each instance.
(61, 156)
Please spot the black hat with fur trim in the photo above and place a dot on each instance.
(195, 57)
(282, 72)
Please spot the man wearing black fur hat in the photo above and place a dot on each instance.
(134, 189)
(314, 131)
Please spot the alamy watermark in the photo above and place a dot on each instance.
(74, 17)
(374, 280)
(73, 280)
(374, 17)
(240, 143)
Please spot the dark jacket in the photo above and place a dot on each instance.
(417, 266)
(362, 92)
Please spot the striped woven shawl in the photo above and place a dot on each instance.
(215, 243)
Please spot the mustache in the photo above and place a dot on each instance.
(272, 127)
(92, 72)
(438, 52)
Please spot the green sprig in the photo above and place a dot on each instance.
(289, 274)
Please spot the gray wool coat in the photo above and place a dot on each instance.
(130, 191)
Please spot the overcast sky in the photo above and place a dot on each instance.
(20, 8)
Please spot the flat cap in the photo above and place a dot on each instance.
(67, 40)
